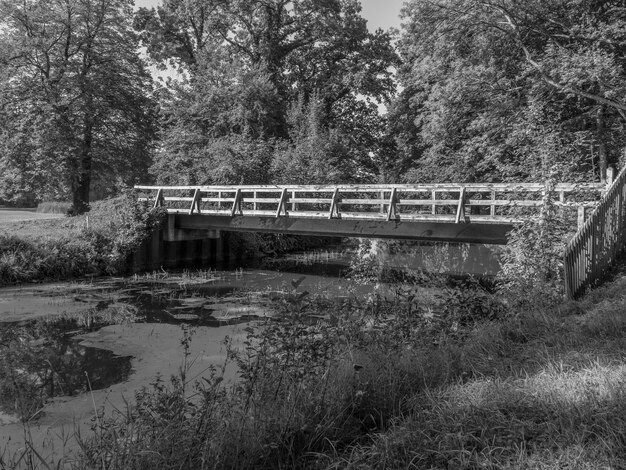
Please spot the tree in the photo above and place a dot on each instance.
(247, 63)
(511, 89)
(74, 98)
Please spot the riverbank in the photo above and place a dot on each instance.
(49, 247)
(378, 380)
(404, 377)
(96, 243)
(533, 389)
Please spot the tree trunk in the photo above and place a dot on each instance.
(82, 185)
(602, 158)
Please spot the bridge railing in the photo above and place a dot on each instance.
(596, 245)
(484, 203)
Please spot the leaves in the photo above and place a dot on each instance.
(506, 90)
(292, 83)
(74, 104)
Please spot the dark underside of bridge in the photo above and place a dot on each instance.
(487, 233)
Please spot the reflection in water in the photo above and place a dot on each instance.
(39, 361)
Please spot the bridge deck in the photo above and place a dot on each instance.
(479, 213)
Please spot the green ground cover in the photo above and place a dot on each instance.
(12, 216)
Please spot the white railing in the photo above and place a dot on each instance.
(485, 203)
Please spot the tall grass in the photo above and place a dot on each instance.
(367, 389)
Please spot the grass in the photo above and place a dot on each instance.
(96, 243)
(9, 217)
(54, 207)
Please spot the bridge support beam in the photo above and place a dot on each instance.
(487, 233)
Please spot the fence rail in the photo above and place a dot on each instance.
(596, 245)
(484, 203)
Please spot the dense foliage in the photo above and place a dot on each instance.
(75, 107)
(498, 90)
(269, 90)
(289, 91)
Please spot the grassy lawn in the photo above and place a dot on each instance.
(48, 226)
(12, 216)
(545, 390)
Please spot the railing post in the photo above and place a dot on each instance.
(236, 204)
(195, 203)
(434, 206)
(158, 202)
(392, 212)
(254, 205)
(492, 211)
(460, 210)
(282, 205)
(334, 205)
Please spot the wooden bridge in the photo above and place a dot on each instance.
(469, 213)
(472, 213)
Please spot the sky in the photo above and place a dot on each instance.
(378, 13)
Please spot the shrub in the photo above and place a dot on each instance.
(531, 273)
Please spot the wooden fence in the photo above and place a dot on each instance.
(596, 245)
(459, 203)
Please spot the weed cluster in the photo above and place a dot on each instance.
(312, 383)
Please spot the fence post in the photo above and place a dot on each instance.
(581, 216)
(610, 175)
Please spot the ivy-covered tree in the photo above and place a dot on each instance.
(74, 99)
